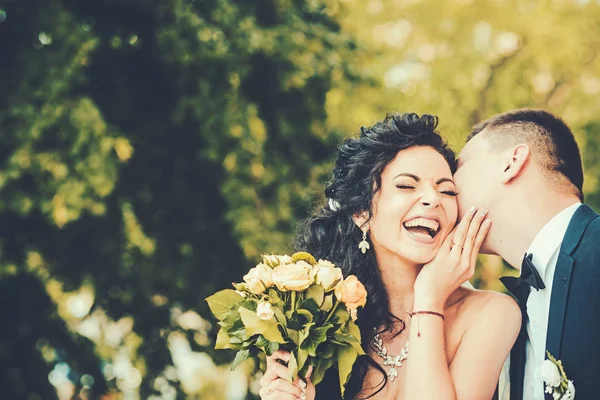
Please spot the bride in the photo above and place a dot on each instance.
(392, 195)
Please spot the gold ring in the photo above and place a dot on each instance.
(456, 244)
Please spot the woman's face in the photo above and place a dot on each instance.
(415, 207)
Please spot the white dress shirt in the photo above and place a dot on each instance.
(545, 248)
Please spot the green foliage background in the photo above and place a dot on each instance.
(150, 150)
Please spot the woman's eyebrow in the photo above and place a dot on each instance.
(416, 178)
(442, 180)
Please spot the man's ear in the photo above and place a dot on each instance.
(361, 219)
(516, 160)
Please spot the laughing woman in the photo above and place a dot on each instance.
(392, 187)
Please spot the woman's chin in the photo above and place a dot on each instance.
(420, 257)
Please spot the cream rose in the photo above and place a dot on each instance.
(258, 279)
(351, 292)
(550, 374)
(274, 261)
(265, 311)
(285, 259)
(327, 275)
(293, 276)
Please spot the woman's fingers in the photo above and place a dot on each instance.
(273, 372)
(283, 386)
(278, 355)
(264, 395)
(458, 239)
(483, 231)
(474, 227)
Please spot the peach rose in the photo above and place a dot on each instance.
(351, 292)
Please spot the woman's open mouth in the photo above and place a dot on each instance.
(423, 229)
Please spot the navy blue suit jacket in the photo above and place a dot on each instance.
(573, 334)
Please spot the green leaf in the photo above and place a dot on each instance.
(302, 357)
(273, 296)
(266, 345)
(327, 350)
(256, 326)
(292, 368)
(344, 337)
(316, 293)
(241, 356)
(310, 305)
(346, 356)
(315, 337)
(232, 322)
(281, 319)
(240, 286)
(306, 314)
(354, 330)
(250, 304)
(224, 341)
(261, 342)
(294, 336)
(320, 367)
(222, 302)
(272, 348)
(341, 315)
(327, 303)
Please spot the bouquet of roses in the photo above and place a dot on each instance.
(297, 304)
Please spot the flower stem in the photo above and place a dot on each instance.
(335, 306)
(293, 300)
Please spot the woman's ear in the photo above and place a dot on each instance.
(515, 162)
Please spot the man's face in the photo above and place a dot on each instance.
(477, 175)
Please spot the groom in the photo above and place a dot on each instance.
(524, 166)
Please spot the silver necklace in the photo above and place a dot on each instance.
(388, 360)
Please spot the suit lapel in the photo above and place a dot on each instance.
(562, 280)
(558, 303)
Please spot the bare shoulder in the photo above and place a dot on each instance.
(487, 308)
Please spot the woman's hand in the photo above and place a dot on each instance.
(274, 385)
(454, 263)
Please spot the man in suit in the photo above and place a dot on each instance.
(524, 166)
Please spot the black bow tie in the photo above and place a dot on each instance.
(530, 278)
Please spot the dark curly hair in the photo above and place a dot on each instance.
(332, 234)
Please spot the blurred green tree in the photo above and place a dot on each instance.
(150, 151)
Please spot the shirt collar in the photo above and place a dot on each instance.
(550, 237)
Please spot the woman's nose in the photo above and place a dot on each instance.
(430, 199)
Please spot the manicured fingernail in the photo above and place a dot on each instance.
(473, 209)
(487, 222)
(302, 384)
(483, 212)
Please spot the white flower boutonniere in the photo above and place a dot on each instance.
(556, 382)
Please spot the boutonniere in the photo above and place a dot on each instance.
(556, 382)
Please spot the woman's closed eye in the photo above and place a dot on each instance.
(449, 192)
(400, 186)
